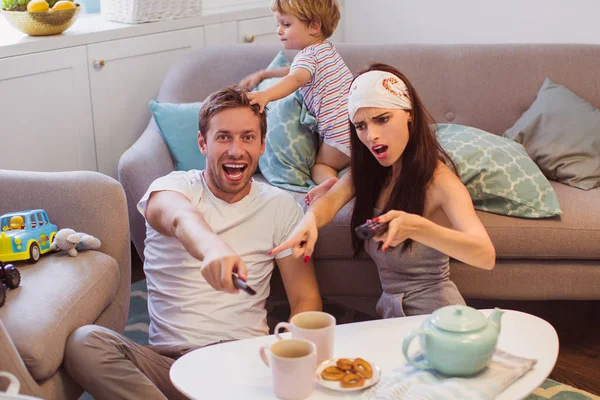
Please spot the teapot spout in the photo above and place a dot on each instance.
(495, 317)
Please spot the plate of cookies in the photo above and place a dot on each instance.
(347, 374)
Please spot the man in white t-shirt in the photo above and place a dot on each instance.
(201, 227)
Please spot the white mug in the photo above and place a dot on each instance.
(292, 363)
(12, 391)
(316, 326)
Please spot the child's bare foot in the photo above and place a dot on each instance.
(319, 191)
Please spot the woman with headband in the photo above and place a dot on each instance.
(400, 176)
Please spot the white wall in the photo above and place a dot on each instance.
(472, 21)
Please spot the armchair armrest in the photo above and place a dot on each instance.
(85, 201)
(145, 161)
(11, 362)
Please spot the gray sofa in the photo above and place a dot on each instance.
(485, 86)
(60, 293)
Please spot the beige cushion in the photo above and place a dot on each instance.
(561, 133)
(334, 238)
(57, 295)
(574, 235)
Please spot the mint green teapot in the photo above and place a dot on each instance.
(456, 340)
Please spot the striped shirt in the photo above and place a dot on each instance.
(326, 92)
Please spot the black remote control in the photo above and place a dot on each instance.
(240, 284)
(368, 230)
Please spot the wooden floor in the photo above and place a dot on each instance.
(576, 322)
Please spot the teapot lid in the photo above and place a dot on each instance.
(458, 318)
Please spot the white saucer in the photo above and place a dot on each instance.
(335, 385)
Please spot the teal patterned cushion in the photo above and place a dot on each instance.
(498, 173)
(292, 141)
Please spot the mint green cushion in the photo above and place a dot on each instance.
(178, 126)
(498, 173)
(292, 141)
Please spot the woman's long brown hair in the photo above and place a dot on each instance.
(419, 162)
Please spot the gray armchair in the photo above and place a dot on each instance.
(60, 293)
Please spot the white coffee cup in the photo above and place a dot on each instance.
(12, 391)
(316, 326)
(292, 363)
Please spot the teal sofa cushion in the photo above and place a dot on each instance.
(178, 126)
(498, 173)
(292, 139)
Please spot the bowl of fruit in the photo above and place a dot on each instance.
(40, 17)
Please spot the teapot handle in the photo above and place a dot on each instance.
(411, 335)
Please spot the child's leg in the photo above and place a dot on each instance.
(329, 161)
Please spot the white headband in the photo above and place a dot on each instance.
(378, 89)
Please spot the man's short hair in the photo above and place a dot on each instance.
(224, 99)
(325, 12)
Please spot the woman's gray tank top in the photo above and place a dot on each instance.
(416, 281)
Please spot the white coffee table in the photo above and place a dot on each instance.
(234, 370)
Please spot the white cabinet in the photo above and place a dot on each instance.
(78, 101)
(45, 112)
(258, 30)
(124, 76)
(221, 34)
(264, 30)
(255, 30)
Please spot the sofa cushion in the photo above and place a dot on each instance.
(57, 295)
(574, 235)
(498, 173)
(561, 132)
(334, 238)
(178, 126)
(292, 141)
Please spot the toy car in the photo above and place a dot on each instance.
(25, 235)
(9, 278)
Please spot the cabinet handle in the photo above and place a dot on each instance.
(249, 39)
(99, 63)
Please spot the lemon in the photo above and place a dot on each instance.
(63, 5)
(38, 6)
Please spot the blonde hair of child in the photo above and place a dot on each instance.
(324, 12)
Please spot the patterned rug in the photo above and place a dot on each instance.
(137, 330)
